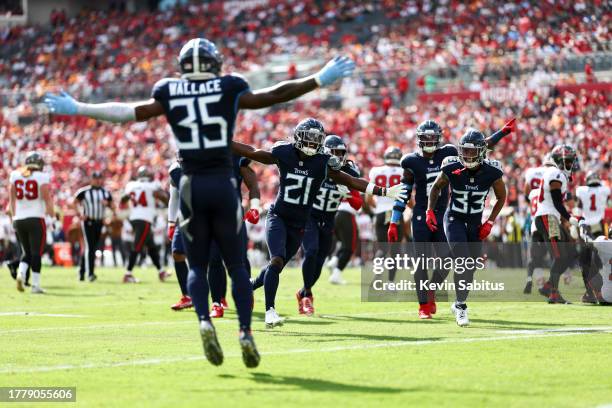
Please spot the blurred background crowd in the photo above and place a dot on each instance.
(475, 63)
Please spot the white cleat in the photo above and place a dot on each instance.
(37, 290)
(20, 284)
(461, 315)
(212, 348)
(332, 263)
(336, 278)
(273, 319)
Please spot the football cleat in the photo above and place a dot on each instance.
(424, 311)
(19, 281)
(299, 298)
(163, 276)
(13, 270)
(308, 305)
(184, 303)
(556, 298)
(528, 287)
(216, 311)
(224, 304)
(92, 278)
(273, 319)
(336, 277)
(37, 290)
(589, 297)
(129, 278)
(461, 315)
(546, 289)
(250, 355)
(212, 348)
(431, 301)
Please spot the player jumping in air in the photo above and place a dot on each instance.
(469, 176)
(420, 170)
(201, 107)
(303, 167)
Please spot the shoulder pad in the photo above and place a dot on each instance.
(239, 76)
(494, 163)
(448, 146)
(334, 162)
(281, 143)
(175, 165)
(449, 161)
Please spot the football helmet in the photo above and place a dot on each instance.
(392, 155)
(564, 157)
(593, 179)
(335, 146)
(34, 161)
(308, 136)
(144, 173)
(199, 59)
(429, 135)
(472, 148)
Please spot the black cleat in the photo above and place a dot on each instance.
(250, 355)
(12, 270)
(92, 278)
(589, 297)
(556, 298)
(545, 290)
(528, 287)
(212, 348)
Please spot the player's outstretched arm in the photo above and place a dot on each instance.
(436, 189)
(501, 133)
(258, 155)
(117, 112)
(285, 91)
(397, 192)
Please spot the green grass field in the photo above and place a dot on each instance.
(121, 345)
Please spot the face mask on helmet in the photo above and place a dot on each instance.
(339, 152)
(428, 141)
(565, 161)
(471, 156)
(309, 141)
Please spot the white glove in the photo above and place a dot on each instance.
(344, 191)
(397, 192)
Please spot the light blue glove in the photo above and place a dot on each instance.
(339, 67)
(62, 104)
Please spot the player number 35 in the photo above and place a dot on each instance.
(191, 122)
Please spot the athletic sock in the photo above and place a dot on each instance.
(36, 279)
(180, 267)
(271, 280)
(23, 270)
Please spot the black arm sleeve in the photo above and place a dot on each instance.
(558, 202)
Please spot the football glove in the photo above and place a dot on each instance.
(171, 228)
(344, 191)
(431, 221)
(355, 200)
(339, 67)
(509, 127)
(252, 216)
(392, 232)
(485, 230)
(62, 104)
(396, 192)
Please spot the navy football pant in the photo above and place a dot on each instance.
(464, 243)
(283, 241)
(215, 217)
(422, 238)
(316, 245)
(217, 279)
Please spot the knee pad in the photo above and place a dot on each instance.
(178, 257)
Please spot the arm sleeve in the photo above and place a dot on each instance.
(558, 202)
(173, 204)
(116, 112)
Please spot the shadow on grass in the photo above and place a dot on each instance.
(510, 324)
(319, 385)
(409, 319)
(325, 336)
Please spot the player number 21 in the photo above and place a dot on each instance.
(191, 122)
(302, 198)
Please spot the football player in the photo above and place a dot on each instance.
(319, 229)
(201, 108)
(420, 170)
(30, 199)
(303, 167)
(387, 175)
(143, 194)
(552, 219)
(217, 279)
(592, 202)
(469, 176)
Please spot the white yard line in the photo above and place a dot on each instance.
(156, 361)
(40, 314)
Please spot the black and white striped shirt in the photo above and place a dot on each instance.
(93, 201)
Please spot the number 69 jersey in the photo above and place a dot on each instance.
(202, 115)
(142, 199)
(29, 202)
(299, 183)
(594, 201)
(469, 189)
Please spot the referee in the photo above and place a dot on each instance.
(92, 201)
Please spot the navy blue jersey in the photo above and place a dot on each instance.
(425, 171)
(175, 171)
(329, 198)
(300, 181)
(202, 115)
(469, 189)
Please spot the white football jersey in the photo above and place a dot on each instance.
(142, 199)
(29, 202)
(604, 250)
(533, 177)
(546, 205)
(385, 176)
(594, 200)
(534, 194)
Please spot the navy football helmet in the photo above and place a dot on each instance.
(335, 146)
(34, 161)
(308, 136)
(472, 148)
(199, 58)
(392, 155)
(564, 157)
(429, 135)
